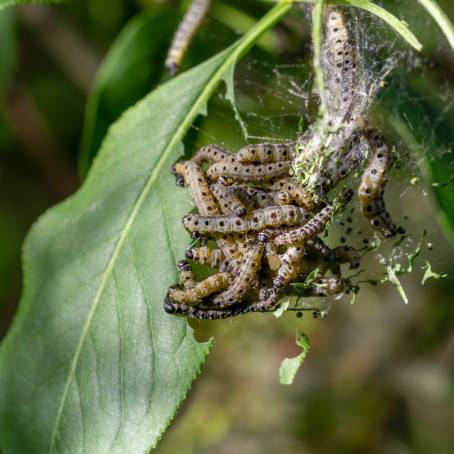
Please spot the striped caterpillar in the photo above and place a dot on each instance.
(315, 226)
(195, 180)
(263, 305)
(371, 188)
(188, 27)
(194, 295)
(244, 280)
(248, 173)
(213, 153)
(341, 50)
(265, 153)
(257, 220)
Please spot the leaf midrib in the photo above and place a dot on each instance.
(236, 50)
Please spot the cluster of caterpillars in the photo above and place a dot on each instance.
(259, 226)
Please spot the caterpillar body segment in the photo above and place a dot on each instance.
(228, 200)
(206, 256)
(296, 192)
(325, 255)
(199, 313)
(313, 227)
(212, 284)
(265, 153)
(188, 27)
(260, 198)
(257, 220)
(213, 153)
(342, 57)
(348, 254)
(197, 183)
(187, 279)
(342, 165)
(294, 262)
(372, 186)
(244, 280)
(248, 172)
(326, 287)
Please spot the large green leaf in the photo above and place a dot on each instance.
(92, 363)
(5, 3)
(130, 70)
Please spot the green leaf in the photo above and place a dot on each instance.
(132, 67)
(429, 274)
(290, 366)
(398, 25)
(92, 363)
(440, 18)
(6, 3)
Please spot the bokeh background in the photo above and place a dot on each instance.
(380, 374)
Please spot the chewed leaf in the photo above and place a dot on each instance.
(290, 366)
(92, 362)
(429, 274)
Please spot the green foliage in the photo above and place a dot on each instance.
(441, 18)
(97, 268)
(290, 366)
(429, 274)
(6, 3)
(130, 70)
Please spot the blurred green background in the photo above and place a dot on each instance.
(380, 374)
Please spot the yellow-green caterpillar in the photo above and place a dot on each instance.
(194, 295)
(188, 27)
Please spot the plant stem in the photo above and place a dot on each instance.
(317, 38)
(440, 18)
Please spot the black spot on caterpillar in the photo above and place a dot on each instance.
(187, 279)
(372, 186)
(206, 256)
(188, 27)
(196, 181)
(257, 220)
(228, 199)
(213, 153)
(248, 173)
(244, 280)
(315, 226)
(266, 152)
(212, 284)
